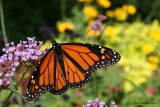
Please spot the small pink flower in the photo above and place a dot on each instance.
(102, 17)
(111, 89)
(78, 94)
(150, 90)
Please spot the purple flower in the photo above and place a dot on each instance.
(102, 17)
(45, 31)
(26, 51)
(1, 82)
(113, 104)
(98, 103)
(96, 26)
(95, 103)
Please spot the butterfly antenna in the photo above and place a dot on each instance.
(54, 35)
(53, 41)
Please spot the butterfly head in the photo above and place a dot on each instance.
(56, 46)
(53, 41)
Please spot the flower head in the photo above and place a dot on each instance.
(90, 12)
(155, 34)
(102, 17)
(95, 103)
(110, 13)
(96, 26)
(62, 26)
(45, 31)
(113, 104)
(150, 90)
(98, 103)
(147, 49)
(26, 51)
(78, 94)
(153, 59)
(110, 31)
(131, 9)
(120, 14)
(104, 3)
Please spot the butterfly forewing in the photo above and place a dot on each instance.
(42, 78)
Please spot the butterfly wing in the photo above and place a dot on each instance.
(80, 60)
(42, 79)
(60, 81)
(75, 75)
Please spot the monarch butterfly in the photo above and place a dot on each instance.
(68, 65)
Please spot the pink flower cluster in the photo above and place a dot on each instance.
(26, 51)
(98, 103)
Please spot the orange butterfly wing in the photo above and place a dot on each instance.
(60, 81)
(42, 79)
(80, 60)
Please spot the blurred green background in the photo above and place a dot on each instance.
(132, 28)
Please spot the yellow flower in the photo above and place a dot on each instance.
(104, 3)
(153, 59)
(131, 9)
(62, 26)
(147, 49)
(90, 12)
(128, 86)
(84, 1)
(154, 66)
(120, 14)
(45, 45)
(109, 31)
(91, 33)
(124, 7)
(155, 34)
(110, 13)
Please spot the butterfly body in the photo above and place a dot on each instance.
(68, 65)
(58, 55)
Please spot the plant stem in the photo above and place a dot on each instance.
(95, 84)
(2, 23)
(19, 80)
(99, 37)
(153, 11)
(63, 7)
(20, 95)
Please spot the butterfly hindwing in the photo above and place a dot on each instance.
(74, 77)
(60, 81)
